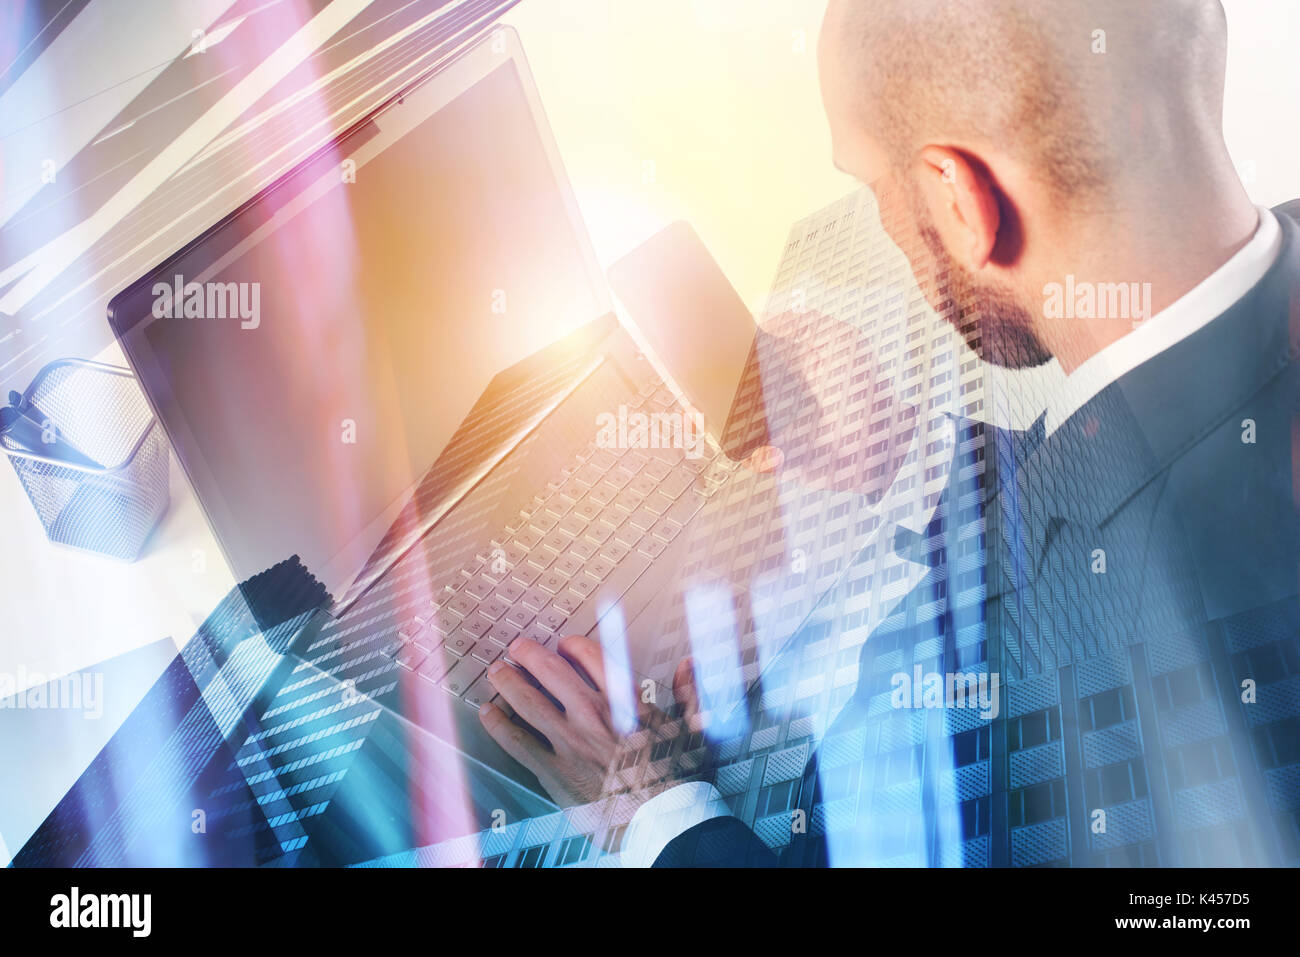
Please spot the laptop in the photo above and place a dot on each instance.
(399, 369)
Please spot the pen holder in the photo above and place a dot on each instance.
(91, 456)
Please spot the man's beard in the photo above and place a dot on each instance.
(1002, 330)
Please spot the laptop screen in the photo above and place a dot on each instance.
(317, 358)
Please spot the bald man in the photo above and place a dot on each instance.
(1056, 174)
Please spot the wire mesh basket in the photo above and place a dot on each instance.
(91, 456)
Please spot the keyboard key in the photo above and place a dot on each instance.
(479, 693)
(409, 630)
(543, 522)
(437, 665)
(600, 568)
(460, 644)
(557, 542)
(634, 461)
(477, 625)
(552, 620)
(657, 469)
(573, 526)
(628, 500)
(538, 634)
(494, 608)
(651, 547)
(488, 651)
(666, 531)
(603, 494)
(536, 599)
(479, 587)
(428, 640)
(628, 535)
(588, 475)
(659, 504)
(568, 565)
(462, 605)
(566, 604)
(443, 595)
(410, 657)
(583, 585)
(526, 574)
(582, 549)
(618, 477)
(587, 509)
(526, 539)
(613, 552)
(684, 508)
(444, 623)
(559, 505)
(642, 519)
(602, 460)
(509, 592)
(552, 582)
(519, 617)
(503, 634)
(669, 456)
(464, 674)
(542, 557)
(599, 531)
(642, 485)
(675, 484)
(515, 553)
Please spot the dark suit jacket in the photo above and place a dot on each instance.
(1183, 478)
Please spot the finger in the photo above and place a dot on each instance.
(514, 740)
(529, 703)
(620, 700)
(588, 656)
(687, 695)
(557, 676)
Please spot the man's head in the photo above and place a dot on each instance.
(1003, 137)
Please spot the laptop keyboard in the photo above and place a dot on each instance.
(569, 556)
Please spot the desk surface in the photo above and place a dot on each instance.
(66, 609)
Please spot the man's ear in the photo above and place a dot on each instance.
(963, 204)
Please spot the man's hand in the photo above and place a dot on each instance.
(576, 747)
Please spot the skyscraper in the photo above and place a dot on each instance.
(1116, 737)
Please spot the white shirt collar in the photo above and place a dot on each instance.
(1210, 298)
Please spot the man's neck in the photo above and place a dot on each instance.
(1156, 255)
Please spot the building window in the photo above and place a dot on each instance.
(840, 782)
(970, 746)
(574, 850)
(1278, 744)
(1107, 709)
(975, 818)
(1037, 804)
(1031, 730)
(1184, 687)
(533, 856)
(1200, 763)
(1116, 784)
(778, 798)
(661, 750)
(613, 842)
